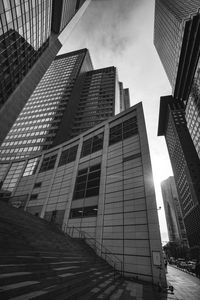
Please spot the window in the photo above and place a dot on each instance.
(68, 155)
(3, 169)
(124, 130)
(48, 163)
(92, 145)
(37, 185)
(87, 182)
(84, 212)
(13, 176)
(31, 167)
(34, 197)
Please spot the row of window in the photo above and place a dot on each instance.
(123, 130)
(92, 145)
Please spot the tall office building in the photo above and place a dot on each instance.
(70, 98)
(192, 111)
(29, 41)
(176, 22)
(101, 183)
(173, 212)
(185, 163)
(177, 41)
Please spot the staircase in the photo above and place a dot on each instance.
(38, 261)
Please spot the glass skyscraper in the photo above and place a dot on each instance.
(70, 98)
(185, 163)
(171, 20)
(29, 41)
(173, 213)
(25, 29)
(177, 41)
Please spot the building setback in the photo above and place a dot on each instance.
(173, 212)
(101, 183)
(29, 41)
(70, 98)
(185, 163)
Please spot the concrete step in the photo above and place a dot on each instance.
(17, 267)
(76, 289)
(50, 284)
(15, 277)
(104, 289)
(38, 261)
(48, 258)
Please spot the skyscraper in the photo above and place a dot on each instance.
(29, 41)
(176, 22)
(177, 41)
(70, 98)
(173, 212)
(185, 163)
(99, 182)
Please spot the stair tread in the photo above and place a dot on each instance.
(18, 285)
(38, 261)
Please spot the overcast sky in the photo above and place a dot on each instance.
(120, 33)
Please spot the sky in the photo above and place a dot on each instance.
(120, 33)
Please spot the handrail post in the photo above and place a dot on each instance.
(72, 231)
(98, 247)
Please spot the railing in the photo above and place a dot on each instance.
(99, 249)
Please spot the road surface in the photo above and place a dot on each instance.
(186, 286)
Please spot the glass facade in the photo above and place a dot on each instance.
(170, 18)
(68, 155)
(13, 175)
(37, 124)
(193, 110)
(185, 163)
(97, 100)
(124, 130)
(25, 28)
(87, 182)
(92, 145)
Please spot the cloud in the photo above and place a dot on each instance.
(111, 24)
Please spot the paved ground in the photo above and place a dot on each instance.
(186, 287)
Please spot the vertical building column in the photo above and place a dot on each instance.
(102, 188)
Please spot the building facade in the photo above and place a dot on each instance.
(193, 110)
(29, 41)
(100, 182)
(70, 98)
(177, 41)
(173, 19)
(39, 121)
(173, 213)
(185, 163)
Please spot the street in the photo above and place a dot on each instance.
(186, 286)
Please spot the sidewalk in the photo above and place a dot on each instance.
(186, 287)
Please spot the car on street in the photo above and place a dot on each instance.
(191, 266)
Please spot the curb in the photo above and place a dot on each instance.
(184, 270)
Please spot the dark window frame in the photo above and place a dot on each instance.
(87, 182)
(48, 163)
(123, 130)
(92, 144)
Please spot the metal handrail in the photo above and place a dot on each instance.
(96, 246)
